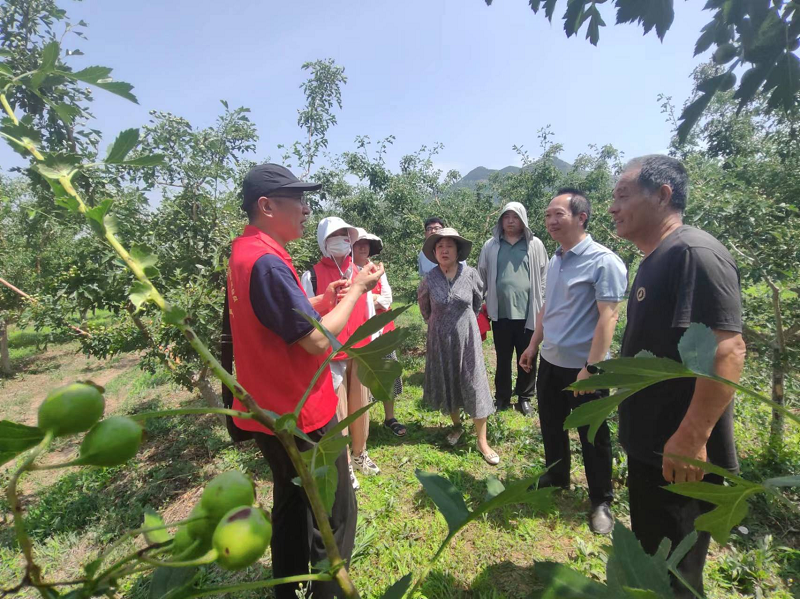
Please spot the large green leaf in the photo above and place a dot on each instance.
(540, 499)
(378, 374)
(122, 146)
(335, 345)
(166, 580)
(321, 460)
(398, 589)
(101, 77)
(630, 566)
(16, 438)
(373, 325)
(593, 413)
(681, 550)
(644, 366)
(782, 481)
(447, 499)
(383, 345)
(698, 347)
(146, 258)
(614, 380)
(650, 14)
(562, 582)
(344, 423)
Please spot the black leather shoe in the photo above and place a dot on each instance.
(601, 522)
(524, 406)
(502, 405)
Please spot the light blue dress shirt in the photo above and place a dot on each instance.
(576, 281)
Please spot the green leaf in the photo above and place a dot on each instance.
(344, 423)
(785, 78)
(493, 487)
(562, 582)
(681, 550)
(573, 16)
(630, 566)
(56, 170)
(16, 438)
(641, 593)
(67, 201)
(540, 500)
(97, 215)
(595, 23)
(377, 374)
(650, 14)
(175, 315)
(65, 112)
(593, 413)
(614, 380)
(692, 113)
(153, 519)
(122, 146)
(146, 258)
(446, 498)
(782, 481)
(287, 422)
(698, 347)
(101, 77)
(49, 56)
(382, 346)
(645, 366)
(321, 460)
(398, 589)
(723, 518)
(148, 160)
(166, 579)
(752, 79)
(140, 293)
(373, 325)
(335, 345)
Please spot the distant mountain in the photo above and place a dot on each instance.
(482, 174)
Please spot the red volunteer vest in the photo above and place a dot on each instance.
(274, 373)
(327, 272)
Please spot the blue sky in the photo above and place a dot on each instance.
(478, 79)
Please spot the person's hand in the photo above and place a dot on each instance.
(528, 358)
(368, 277)
(582, 375)
(335, 292)
(685, 444)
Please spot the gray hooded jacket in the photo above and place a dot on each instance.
(537, 258)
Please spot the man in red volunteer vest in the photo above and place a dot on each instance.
(277, 354)
(335, 238)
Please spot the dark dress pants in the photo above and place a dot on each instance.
(296, 540)
(555, 405)
(657, 514)
(510, 336)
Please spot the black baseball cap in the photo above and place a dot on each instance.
(266, 179)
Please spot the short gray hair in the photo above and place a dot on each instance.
(657, 170)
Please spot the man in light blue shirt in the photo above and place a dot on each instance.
(585, 284)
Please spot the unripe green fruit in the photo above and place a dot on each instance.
(202, 525)
(241, 538)
(725, 53)
(71, 409)
(226, 491)
(111, 442)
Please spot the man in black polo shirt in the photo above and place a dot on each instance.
(686, 276)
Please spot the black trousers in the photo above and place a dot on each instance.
(510, 336)
(657, 513)
(555, 405)
(296, 540)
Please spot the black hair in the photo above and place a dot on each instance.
(577, 203)
(657, 170)
(432, 221)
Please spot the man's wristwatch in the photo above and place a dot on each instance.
(591, 368)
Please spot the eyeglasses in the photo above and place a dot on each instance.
(303, 201)
(433, 229)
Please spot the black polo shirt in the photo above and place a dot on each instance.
(690, 277)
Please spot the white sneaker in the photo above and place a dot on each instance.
(353, 479)
(365, 464)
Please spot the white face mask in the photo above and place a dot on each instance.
(338, 247)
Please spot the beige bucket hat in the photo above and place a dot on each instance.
(464, 245)
(375, 242)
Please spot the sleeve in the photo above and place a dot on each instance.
(482, 267)
(385, 298)
(424, 299)
(305, 281)
(544, 262)
(477, 293)
(275, 295)
(610, 279)
(707, 291)
(419, 264)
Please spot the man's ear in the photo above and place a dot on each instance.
(665, 196)
(265, 205)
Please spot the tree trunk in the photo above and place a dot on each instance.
(5, 360)
(778, 377)
(208, 393)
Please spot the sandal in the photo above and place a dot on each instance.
(490, 458)
(454, 436)
(398, 429)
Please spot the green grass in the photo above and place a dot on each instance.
(76, 513)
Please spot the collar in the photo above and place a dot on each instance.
(579, 248)
(278, 249)
(521, 239)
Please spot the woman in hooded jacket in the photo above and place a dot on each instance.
(335, 238)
